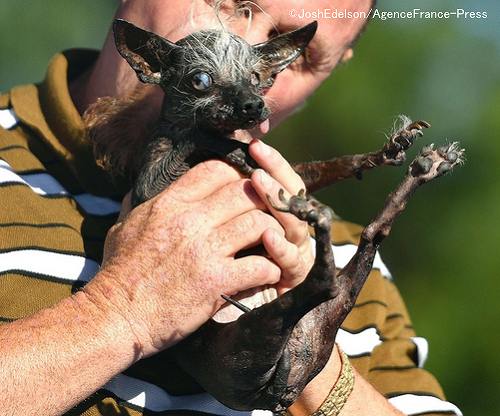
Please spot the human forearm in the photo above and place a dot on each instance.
(54, 359)
(364, 400)
(157, 264)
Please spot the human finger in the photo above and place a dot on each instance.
(276, 165)
(230, 201)
(244, 231)
(203, 179)
(269, 189)
(287, 256)
(249, 272)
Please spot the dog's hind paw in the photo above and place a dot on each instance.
(432, 163)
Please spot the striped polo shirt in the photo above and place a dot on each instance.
(56, 206)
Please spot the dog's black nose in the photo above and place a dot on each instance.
(252, 107)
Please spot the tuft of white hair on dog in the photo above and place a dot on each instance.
(226, 55)
(401, 123)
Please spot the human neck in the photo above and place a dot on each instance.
(111, 76)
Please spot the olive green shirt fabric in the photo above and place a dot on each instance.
(56, 206)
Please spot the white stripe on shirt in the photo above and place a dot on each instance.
(8, 119)
(67, 267)
(422, 350)
(46, 185)
(146, 395)
(358, 344)
(344, 253)
(412, 404)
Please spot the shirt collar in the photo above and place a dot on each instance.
(48, 109)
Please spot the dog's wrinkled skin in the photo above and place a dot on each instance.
(214, 83)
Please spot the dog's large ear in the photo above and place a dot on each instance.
(281, 51)
(146, 52)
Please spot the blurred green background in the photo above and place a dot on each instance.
(444, 252)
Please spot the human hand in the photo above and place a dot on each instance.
(293, 251)
(167, 263)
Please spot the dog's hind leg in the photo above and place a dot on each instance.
(250, 355)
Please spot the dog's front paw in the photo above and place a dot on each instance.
(402, 139)
(304, 207)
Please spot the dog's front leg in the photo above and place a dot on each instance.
(319, 174)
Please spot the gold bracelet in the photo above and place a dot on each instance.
(340, 392)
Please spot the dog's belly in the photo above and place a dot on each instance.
(251, 298)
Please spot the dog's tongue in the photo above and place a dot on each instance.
(264, 126)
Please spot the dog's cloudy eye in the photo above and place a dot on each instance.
(202, 81)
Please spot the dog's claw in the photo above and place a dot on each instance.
(319, 174)
(281, 196)
(405, 136)
(401, 140)
(281, 208)
(426, 150)
(419, 124)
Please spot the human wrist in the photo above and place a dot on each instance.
(107, 303)
(318, 389)
(334, 404)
